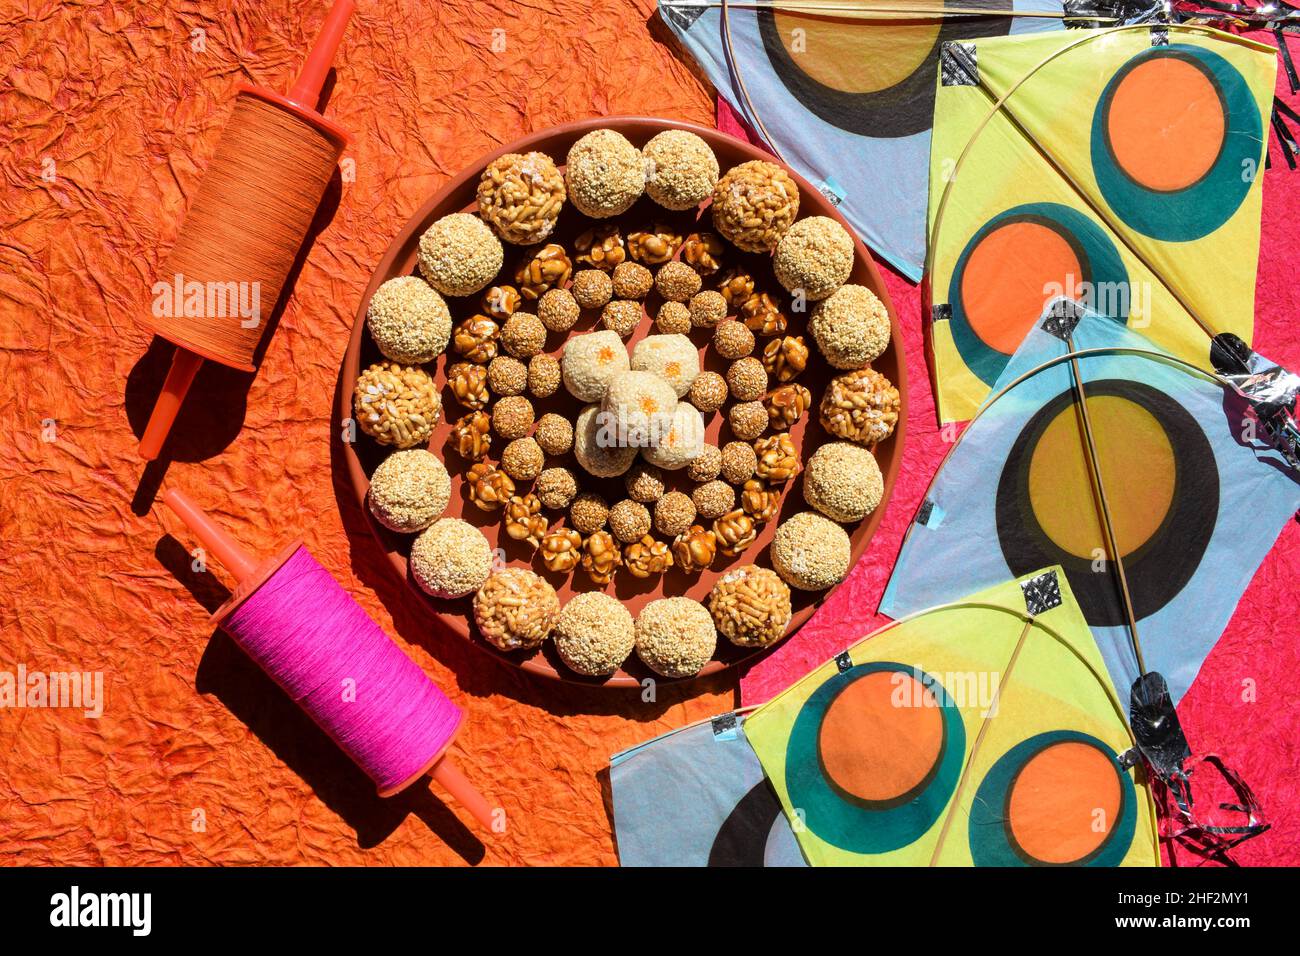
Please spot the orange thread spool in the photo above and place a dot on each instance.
(246, 226)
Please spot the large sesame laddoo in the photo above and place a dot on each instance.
(451, 558)
(594, 633)
(810, 551)
(408, 320)
(815, 256)
(605, 174)
(409, 490)
(459, 254)
(681, 170)
(843, 481)
(675, 636)
(851, 327)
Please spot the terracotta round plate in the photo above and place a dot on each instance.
(458, 196)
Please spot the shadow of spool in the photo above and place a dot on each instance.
(230, 675)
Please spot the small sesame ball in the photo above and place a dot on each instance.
(591, 361)
(733, 340)
(409, 490)
(543, 376)
(588, 513)
(681, 170)
(408, 320)
(675, 636)
(516, 609)
(810, 552)
(621, 317)
(708, 392)
(644, 483)
(451, 558)
(674, 514)
(747, 379)
(594, 633)
(556, 488)
(557, 310)
(629, 520)
(512, 416)
(554, 434)
(592, 288)
(459, 254)
(742, 591)
(713, 499)
(682, 443)
(507, 376)
(754, 204)
(708, 466)
(739, 462)
(677, 282)
(815, 255)
(594, 450)
(673, 319)
(523, 459)
(748, 420)
(843, 481)
(605, 174)
(632, 280)
(672, 358)
(523, 335)
(850, 327)
(707, 309)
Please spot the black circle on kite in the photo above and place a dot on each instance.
(1161, 481)
(742, 838)
(905, 106)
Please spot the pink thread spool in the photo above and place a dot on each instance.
(291, 617)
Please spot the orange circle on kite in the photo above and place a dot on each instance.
(881, 736)
(1011, 275)
(1165, 124)
(1138, 471)
(853, 55)
(1064, 802)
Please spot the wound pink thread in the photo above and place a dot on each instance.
(308, 634)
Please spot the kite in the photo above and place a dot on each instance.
(984, 732)
(1115, 167)
(844, 93)
(697, 797)
(1158, 494)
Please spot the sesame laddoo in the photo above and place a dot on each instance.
(523, 459)
(450, 558)
(512, 416)
(409, 490)
(590, 361)
(520, 195)
(677, 282)
(681, 170)
(592, 288)
(673, 358)
(754, 204)
(748, 420)
(588, 513)
(810, 551)
(605, 174)
(596, 447)
(733, 340)
(675, 637)
(750, 606)
(408, 320)
(516, 609)
(707, 466)
(747, 379)
(556, 488)
(674, 514)
(523, 335)
(707, 308)
(507, 376)
(640, 405)
(543, 376)
(815, 255)
(843, 481)
(554, 433)
(629, 520)
(632, 280)
(708, 392)
(739, 460)
(558, 310)
(459, 254)
(396, 404)
(851, 327)
(594, 633)
(713, 499)
(621, 317)
(644, 483)
(683, 441)
(673, 318)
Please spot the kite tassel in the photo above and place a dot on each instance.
(1211, 841)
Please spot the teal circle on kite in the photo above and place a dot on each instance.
(874, 756)
(1015, 265)
(1176, 139)
(1060, 798)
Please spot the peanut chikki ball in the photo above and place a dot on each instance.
(409, 490)
(396, 404)
(754, 204)
(516, 609)
(459, 254)
(675, 636)
(681, 170)
(751, 606)
(605, 174)
(408, 320)
(594, 634)
(521, 196)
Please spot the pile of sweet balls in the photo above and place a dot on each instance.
(658, 390)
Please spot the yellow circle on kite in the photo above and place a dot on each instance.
(1064, 802)
(881, 736)
(1166, 124)
(854, 55)
(1138, 469)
